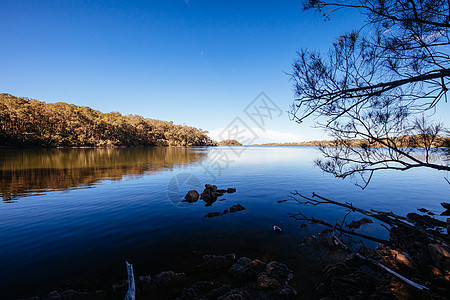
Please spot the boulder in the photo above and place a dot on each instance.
(440, 255)
(191, 196)
(166, 278)
(217, 261)
(211, 186)
(246, 268)
(231, 190)
(279, 271)
(265, 282)
(209, 194)
(236, 294)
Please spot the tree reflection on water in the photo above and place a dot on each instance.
(26, 172)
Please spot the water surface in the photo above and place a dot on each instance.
(75, 215)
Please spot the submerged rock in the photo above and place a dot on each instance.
(212, 214)
(166, 278)
(246, 268)
(357, 224)
(279, 271)
(215, 261)
(266, 282)
(236, 208)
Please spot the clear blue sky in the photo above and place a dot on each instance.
(198, 62)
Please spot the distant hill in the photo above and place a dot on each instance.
(27, 122)
(310, 143)
(229, 143)
(412, 141)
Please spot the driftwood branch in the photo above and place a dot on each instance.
(404, 279)
(338, 227)
(386, 217)
(340, 243)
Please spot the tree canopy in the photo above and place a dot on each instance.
(379, 83)
(26, 122)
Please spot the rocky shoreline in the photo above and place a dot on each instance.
(414, 263)
(222, 277)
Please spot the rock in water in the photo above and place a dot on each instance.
(209, 194)
(445, 205)
(236, 208)
(217, 261)
(191, 196)
(279, 271)
(357, 224)
(212, 214)
(266, 282)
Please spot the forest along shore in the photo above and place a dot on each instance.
(31, 123)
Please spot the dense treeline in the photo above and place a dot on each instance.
(229, 143)
(27, 122)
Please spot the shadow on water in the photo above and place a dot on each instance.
(25, 172)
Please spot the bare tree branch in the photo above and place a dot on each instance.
(378, 84)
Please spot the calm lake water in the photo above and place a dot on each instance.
(75, 215)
